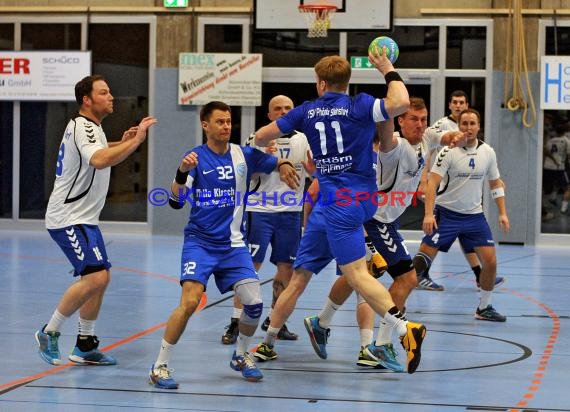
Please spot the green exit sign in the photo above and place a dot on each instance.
(360, 63)
(175, 3)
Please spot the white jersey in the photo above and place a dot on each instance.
(464, 170)
(445, 124)
(79, 190)
(439, 128)
(559, 150)
(271, 194)
(398, 175)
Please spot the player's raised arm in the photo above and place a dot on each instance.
(385, 132)
(397, 99)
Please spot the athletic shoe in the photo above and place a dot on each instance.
(426, 283)
(160, 377)
(247, 366)
(232, 332)
(489, 313)
(412, 343)
(264, 352)
(499, 280)
(48, 346)
(284, 333)
(92, 357)
(318, 335)
(377, 265)
(367, 361)
(385, 355)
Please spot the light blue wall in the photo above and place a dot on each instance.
(172, 137)
(517, 154)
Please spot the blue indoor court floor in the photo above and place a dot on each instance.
(466, 364)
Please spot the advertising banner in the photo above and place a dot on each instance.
(232, 78)
(555, 82)
(39, 75)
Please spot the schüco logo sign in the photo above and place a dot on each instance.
(61, 60)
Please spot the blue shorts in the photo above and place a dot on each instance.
(344, 219)
(228, 265)
(472, 230)
(314, 251)
(84, 247)
(280, 229)
(389, 243)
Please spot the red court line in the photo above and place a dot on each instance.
(31, 378)
(544, 359)
(536, 380)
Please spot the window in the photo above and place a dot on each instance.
(42, 123)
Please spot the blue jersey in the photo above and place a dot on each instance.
(218, 188)
(340, 130)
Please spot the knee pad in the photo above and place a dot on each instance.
(252, 313)
(422, 262)
(249, 294)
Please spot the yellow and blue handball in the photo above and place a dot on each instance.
(392, 50)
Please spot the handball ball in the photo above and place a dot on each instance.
(391, 46)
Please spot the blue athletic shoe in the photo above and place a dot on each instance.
(92, 357)
(246, 365)
(160, 377)
(318, 335)
(48, 346)
(385, 355)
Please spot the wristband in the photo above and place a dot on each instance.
(498, 192)
(286, 162)
(181, 177)
(391, 77)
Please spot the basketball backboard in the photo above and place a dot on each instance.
(362, 15)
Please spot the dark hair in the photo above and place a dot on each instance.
(84, 87)
(458, 93)
(208, 108)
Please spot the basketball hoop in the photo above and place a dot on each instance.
(318, 18)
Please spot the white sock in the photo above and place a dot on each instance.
(485, 299)
(269, 313)
(163, 354)
(396, 322)
(55, 323)
(271, 336)
(242, 344)
(384, 333)
(327, 313)
(86, 327)
(564, 206)
(366, 337)
(237, 313)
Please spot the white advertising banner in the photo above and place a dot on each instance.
(232, 78)
(40, 75)
(555, 82)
